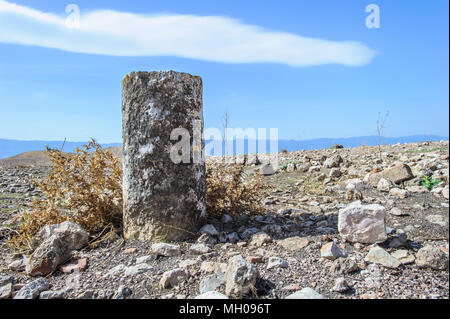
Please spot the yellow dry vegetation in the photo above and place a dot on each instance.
(229, 190)
(84, 187)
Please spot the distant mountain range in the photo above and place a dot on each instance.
(13, 147)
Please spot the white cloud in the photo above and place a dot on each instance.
(210, 38)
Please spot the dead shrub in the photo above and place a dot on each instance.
(229, 190)
(84, 187)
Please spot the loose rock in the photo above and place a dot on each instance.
(305, 293)
(240, 276)
(167, 250)
(260, 239)
(212, 282)
(33, 289)
(294, 243)
(331, 251)
(276, 262)
(380, 256)
(399, 173)
(72, 235)
(363, 223)
(433, 257)
(6, 291)
(173, 277)
(46, 258)
(341, 285)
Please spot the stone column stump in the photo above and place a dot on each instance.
(162, 200)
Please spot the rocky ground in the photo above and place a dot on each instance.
(339, 223)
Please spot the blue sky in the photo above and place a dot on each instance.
(335, 91)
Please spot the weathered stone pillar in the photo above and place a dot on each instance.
(163, 201)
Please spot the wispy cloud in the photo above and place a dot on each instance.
(210, 38)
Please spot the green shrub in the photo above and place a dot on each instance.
(429, 183)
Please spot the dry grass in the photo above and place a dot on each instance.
(229, 190)
(312, 186)
(84, 187)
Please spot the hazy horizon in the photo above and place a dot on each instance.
(298, 140)
(10, 148)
